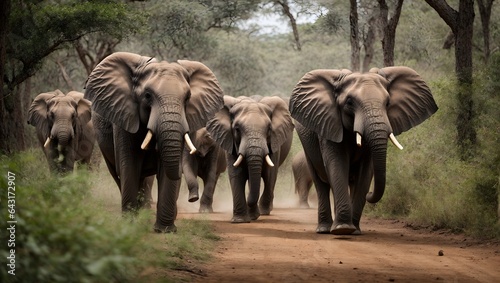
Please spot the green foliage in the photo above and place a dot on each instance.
(65, 231)
(38, 28)
(430, 184)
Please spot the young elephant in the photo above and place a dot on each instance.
(208, 163)
(302, 177)
(344, 122)
(256, 133)
(63, 128)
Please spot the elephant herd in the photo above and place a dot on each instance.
(157, 118)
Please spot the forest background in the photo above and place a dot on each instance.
(448, 175)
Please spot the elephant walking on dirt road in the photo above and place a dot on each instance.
(63, 128)
(256, 134)
(208, 163)
(344, 122)
(145, 110)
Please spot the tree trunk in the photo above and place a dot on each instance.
(353, 20)
(286, 11)
(389, 26)
(461, 23)
(368, 41)
(485, 13)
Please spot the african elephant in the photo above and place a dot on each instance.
(63, 128)
(208, 163)
(344, 122)
(256, 134)
(145, 111)
(302, 178)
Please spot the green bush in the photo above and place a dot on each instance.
(430, 184)
(65, 234)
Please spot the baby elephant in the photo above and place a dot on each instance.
(302, 177)
(63, 128)
(208, 163)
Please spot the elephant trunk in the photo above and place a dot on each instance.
(170, 139)
(377, 143)
(254, 163)
(63, 133)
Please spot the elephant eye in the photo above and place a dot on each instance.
(147, 95)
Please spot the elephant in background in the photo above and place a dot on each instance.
(63, 128)
(256, 134)
(344, 122)
(208, 163)
(145, 110)
(302, 178)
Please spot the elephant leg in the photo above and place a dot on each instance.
(337, 168)
(190, 169)
(166, 207)
(269, 175)
(303, 185)
(207, 198)
(145, 196)
(325, 219)
(129, 169)
(359, 187)
(238, 177)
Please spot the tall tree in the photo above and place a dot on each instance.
(42, 27)
(388, 26)
(485, 14)
(285, 7)
(461, 24)
(354, 28)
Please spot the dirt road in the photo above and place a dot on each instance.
(283, 247)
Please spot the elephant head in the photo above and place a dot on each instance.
(203, 142)
(58, 119)
(370, 107)
(252, 129)
(169, 99)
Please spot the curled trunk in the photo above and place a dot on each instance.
(378, 148)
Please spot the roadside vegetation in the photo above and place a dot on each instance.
(70, 230)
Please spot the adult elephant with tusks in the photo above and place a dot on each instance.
(256, 133)
(63, 128)
(344, 122)
(145, 111)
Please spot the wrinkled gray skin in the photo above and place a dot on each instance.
(253, 128)
(331, 106)
(133, 94)
(65, 119)
(302, 178)
(208, 163)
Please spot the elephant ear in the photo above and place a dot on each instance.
(281, 121)
(220, 126)
(206, 94)
(110, 88)
(313, 103)
(411, 100)
(83, 106)
(37, 114)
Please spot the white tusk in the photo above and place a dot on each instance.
(358, 139)
(395, 141)
(190, 144)
(147, 139)
(238, 161)
(47, 142)
(269, 162)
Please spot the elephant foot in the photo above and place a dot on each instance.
(165, 229)
(206, 209)
(240, 219)
(323, 228)
(343, 229)
(193, 196)
(254, 213)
